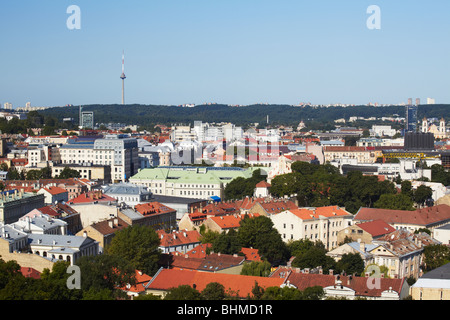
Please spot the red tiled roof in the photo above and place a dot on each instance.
(55, 210)
(277, 205)
(141, 280)
(92, 196)
(55, 190)
(231, 221)
(376, 228)
(221, 208)
(263, 184)
(199, 251)
(30, 273)
(209, 263)
(345, 149)
(251, 254)
(358, 284)
(330, 211)
(240, 285)
(152, 208)
(110, 226)
(422, 217)
(178, 238)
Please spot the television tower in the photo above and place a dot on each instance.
(123, 77)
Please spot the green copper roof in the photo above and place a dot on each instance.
(191, 175)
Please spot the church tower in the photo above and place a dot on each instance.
(425, 125)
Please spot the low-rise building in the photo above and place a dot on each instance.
(213, 262)
(429, 218)
(433, 285)
(128, 193)
(316, 224)
(15, 204)
(62, 247)
(225, 223)
(401, 252)
(54, 195)
(86, 170)
(189, 182)
(365, 232)
(236, 285)
(38, 223)
(361, 154)
(348, 287)
(104, 231)
(152, 214)
(442, 234)
(178, 241)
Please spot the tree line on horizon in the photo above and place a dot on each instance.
(317, 117)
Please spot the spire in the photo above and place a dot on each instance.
(123, 77)
(123, 67)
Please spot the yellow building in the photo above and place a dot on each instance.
(433, 285)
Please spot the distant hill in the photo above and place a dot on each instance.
(278, 114)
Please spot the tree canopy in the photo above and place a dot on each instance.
(138, 245)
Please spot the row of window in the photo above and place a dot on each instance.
(315, 226)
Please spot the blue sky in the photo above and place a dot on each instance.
(224, 51)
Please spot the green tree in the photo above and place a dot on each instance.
(299, 247)
(3, 166)
(53, 284)
(313, 293)
(227, 243)
(407, 188)
(105, 273)
(208, 236)
(34, 175)
(8, 270)
(183, 292)
(139, 245)
(350, 263)
(314, 257)
(257, 291)
(395, 202)
(256, 268)
(422, 194)
(285, 293)
(68, 173)
(213, 291)
(259, 233)
(13, 174)
(439, 174)
(148, 296)
(435, 255)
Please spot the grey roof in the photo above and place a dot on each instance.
(172, 199)
(125, 188)
(9, 233)
(130, 213)
(44, 222)
(78, 146)
(368, 247)
(438, 273)
(59, 240)
(444, 227)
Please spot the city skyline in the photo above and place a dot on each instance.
(283, 52)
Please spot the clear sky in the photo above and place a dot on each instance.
(224, 51)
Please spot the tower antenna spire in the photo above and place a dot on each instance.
(123, 77)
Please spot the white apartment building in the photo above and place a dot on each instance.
(117, 151)
(316, 224)
(380, 131)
